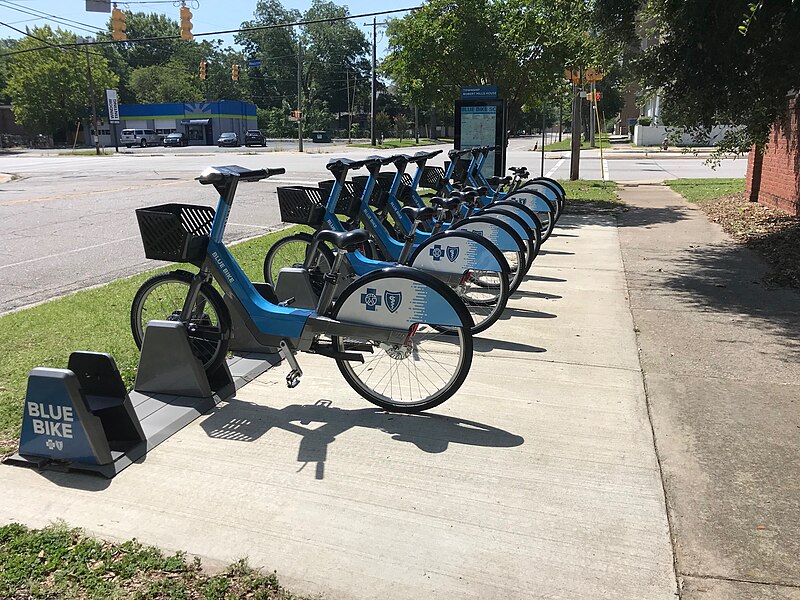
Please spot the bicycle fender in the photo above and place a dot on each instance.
(455, 252)
(399, 297)
(498, 233)
(517, 224)
(544, 188)
(518, 209)
(532, 199)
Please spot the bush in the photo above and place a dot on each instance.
(645, 121)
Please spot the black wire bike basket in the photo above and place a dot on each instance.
(301, 205)
(175, 232)
(349, 201)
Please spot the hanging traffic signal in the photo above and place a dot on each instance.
(186, 23)
(118, 26)
(203, 69)
(235, 72)
(597, 97)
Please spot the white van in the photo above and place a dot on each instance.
(139, 137)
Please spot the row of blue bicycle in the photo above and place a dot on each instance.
(389, 285)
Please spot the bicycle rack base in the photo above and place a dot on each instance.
(82, 419)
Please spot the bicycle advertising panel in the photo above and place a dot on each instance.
(480, 121)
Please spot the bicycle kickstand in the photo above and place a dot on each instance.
(293, 378)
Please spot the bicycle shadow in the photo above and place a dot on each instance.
(319, 425)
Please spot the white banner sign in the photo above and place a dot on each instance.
(113, 106)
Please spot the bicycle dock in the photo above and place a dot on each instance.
(82, 418)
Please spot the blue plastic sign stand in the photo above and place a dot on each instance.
(57, 423)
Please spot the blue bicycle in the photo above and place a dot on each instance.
(383, 329)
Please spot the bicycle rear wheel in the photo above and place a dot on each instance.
(162, 297)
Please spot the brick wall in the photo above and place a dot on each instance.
(777, 182)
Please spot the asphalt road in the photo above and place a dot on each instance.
(71, 221)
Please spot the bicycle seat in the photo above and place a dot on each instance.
(347, 240)
(447, 203)
(338, 165)
(380, 160)
(418, 214)
(218, 174)
(401, 160)
(420, 156)
(457, 153)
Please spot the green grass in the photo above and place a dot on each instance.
(697, 190)
(396, 143)
(584, 195)
(97, 319)
(566, 144)
(85, 153)
(58, 562)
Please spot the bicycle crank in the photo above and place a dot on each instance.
(293, 378)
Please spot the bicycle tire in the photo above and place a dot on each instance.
(441, 343)
(280, 255)
(208, 332)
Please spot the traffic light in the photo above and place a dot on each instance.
(235, 72)
(597, 97)
(118, 25)
(203, 69)
(186, 23)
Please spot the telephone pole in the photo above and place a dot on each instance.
(374, 102)
(93, 101)
(299, 93)
(575, 145)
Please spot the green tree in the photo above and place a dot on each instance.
(706, 71)
(49, 87)
(521, 46)
(7, 45)
(383, 124)
(164, 84)
(400, 126)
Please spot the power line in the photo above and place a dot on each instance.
(74, 47)
(43, 15)
(226, 31)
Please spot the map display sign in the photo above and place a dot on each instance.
(482, 123)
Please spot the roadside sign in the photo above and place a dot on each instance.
(479, 92)
(113, 106)
(103, 6)
(254, 62)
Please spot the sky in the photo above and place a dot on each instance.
(208, 15)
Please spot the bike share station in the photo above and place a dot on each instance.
(82, 418)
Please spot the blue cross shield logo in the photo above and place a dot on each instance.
(452, 253)
(370, 299)
(436, 252)
(393, 300)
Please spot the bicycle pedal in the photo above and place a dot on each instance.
(293, 379)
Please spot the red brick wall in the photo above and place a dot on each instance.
(779, 184)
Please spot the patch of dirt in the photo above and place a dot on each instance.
(770, 232)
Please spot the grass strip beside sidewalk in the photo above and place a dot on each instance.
(584, 196)
(97, 319)
(58, 562)
(770, 232)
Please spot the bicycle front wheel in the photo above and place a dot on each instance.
(292, 251)
(411, 377)
(162, 297)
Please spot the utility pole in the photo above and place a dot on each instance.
(592, 109)
(416, 123)
(560, 117)
(349, 108)
(374, 102)
(299, 93)
(93, 101)
(544, 139)
(575, 142)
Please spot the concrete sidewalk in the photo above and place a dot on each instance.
(539, 479)
(720, 358)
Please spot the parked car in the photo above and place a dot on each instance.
(139, 137)
(176, 139)
(254, 137)
(229, 138)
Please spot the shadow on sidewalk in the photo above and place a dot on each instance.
(319, 424)
(728, 279)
